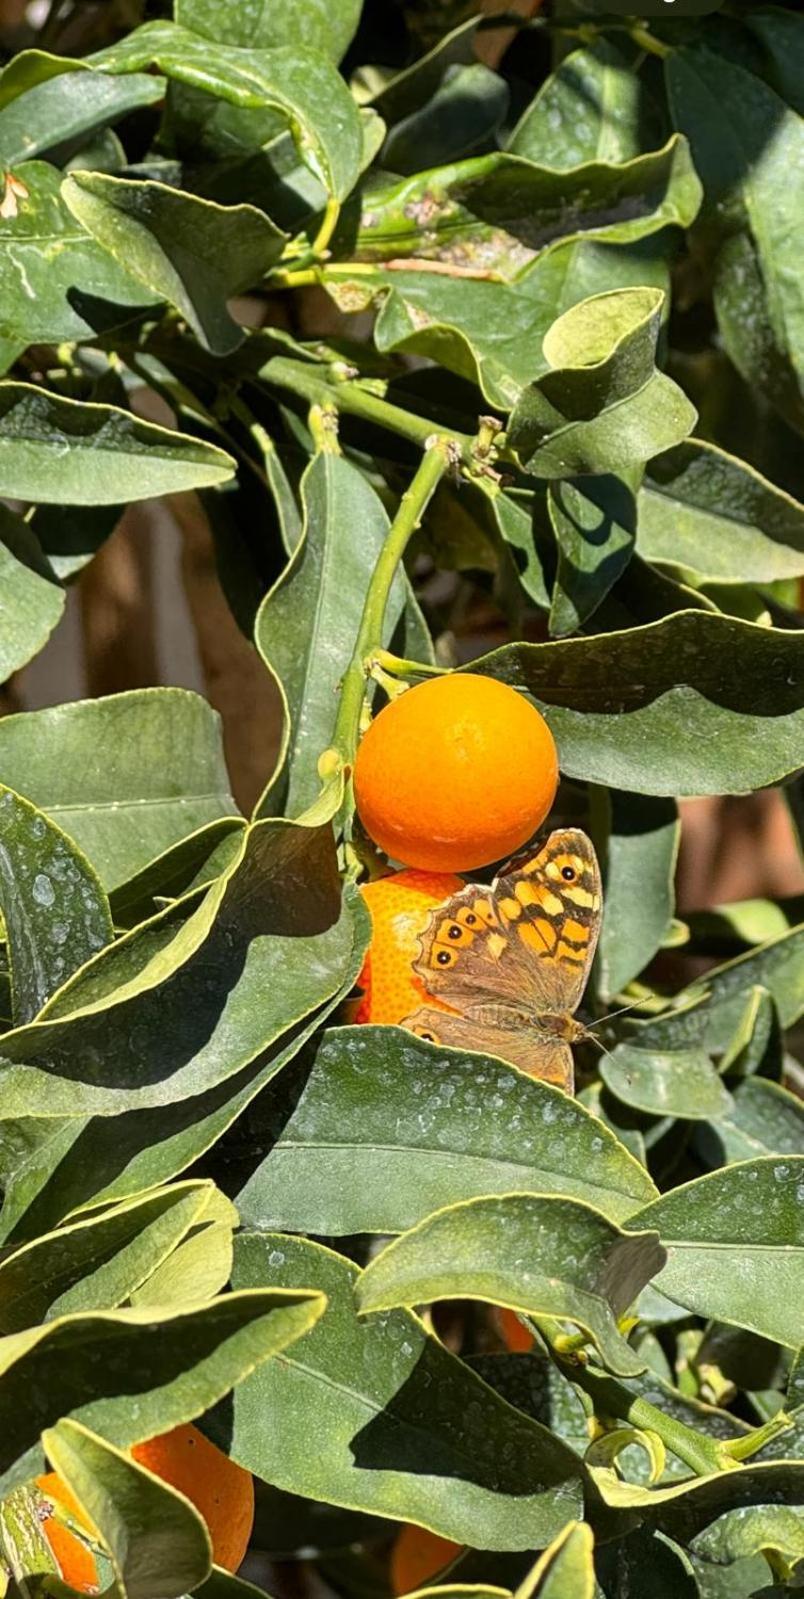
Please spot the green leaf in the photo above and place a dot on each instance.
(638, 903)
(70, 536)
(745, 144)
(376, 1129)
(52, 1165)
(659, 709)
(151, 1531)
(104, 455)
(130, 1374)
(594, 524)
(191, 864)
(492, 332)
(724, 1005)
(735, 1245)
(302, 85)
(34, 600)
(707, 513)
(594, 107)
(60, 284)
(759, 1530)
(463, 115)
(779, 33)
(603, 406)
(647, 1560)
(543, 1256)
(498, 211)
(187, 251)
(97, 768)
(201, 1264)
(565, 1570)
(49, 102)
(326, 25)
(307, 624)
(97, 1262)
(254, 959)
(680, 1082)
(764, 1119)
(54, 907)
(404, 1429)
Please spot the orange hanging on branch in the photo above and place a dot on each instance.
(456, 773)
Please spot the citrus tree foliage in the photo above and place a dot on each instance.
(559, 303)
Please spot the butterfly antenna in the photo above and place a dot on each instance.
(601, 1020)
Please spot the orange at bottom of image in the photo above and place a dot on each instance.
(417, 1556)
(222, 1492)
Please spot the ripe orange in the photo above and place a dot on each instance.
(416, 1557)
(455, 773)
(399, 907)
(75, 1561)
(222, 1492)
(513, 1334)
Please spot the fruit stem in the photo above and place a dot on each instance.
(440, 453)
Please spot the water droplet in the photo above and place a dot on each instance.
(43, 890)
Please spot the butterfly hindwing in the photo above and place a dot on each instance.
(549, 1059)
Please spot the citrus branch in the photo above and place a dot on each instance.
(440, 453)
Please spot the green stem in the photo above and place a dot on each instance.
(647, 42)
(349, 398)
(329, 222)
(439, 454)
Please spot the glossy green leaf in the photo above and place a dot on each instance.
(594, 522)
(659, 710)
(376, 1129)
(717, 1008)
(565, 1570)
(641, 845)
(51, 1165)
(594, 107)
(34, 600)
(382, 1391)
(545, 1256)
(191, 864)
(680, 1082)
(201, 1264)
(96, 768)
(307, 625)
(492, 332)
(764, 1119)
(603, 406)
(738, 1534)
(71, 535)
(248, 965)
(498, 211)
(152, 1533)
(49, 101)
(396, 94)
(130, 1374)
(708, 513)
(187, 251)
(80, 453)
(54, 907)
(780, 35)
(97, 1262)
(463, 115)
(735, 1245)
(326, 25)
(301, 84)
(745, 143)
(61, 284)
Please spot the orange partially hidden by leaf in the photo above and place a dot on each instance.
(513, 1334)
(417, 1556)
(455, 773)
(399, 907)
(75, 1561)
(222, 1492)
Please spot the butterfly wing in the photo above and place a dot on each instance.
(528, 941)
(549, 1059)
(550, 906)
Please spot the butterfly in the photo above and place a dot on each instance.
(511, 961)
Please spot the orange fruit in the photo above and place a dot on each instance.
(416, 1557)
(513, 1334)
(222, 1492)
(455, 773)
(399, 906)
(75, 1561)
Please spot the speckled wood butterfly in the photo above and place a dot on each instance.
(510, 962)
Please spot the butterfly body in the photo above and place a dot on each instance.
(506, 966)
